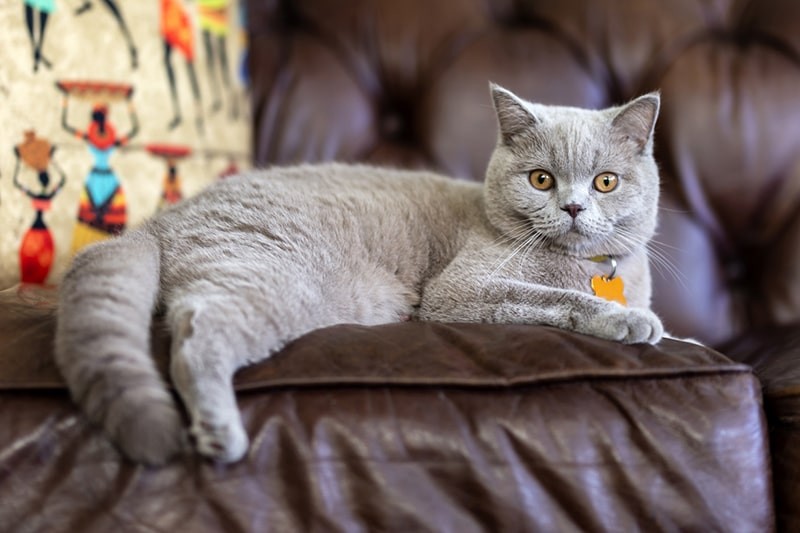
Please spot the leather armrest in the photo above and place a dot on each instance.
(411, 426)
(774, 355)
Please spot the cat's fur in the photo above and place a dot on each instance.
(256, 261)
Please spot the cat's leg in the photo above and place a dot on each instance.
(216, 331)
(456, 298)
(211, 340)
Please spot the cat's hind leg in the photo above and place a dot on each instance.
(218, 329)
(211, 339)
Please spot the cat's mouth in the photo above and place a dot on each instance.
(576, 236)
(577, 229)
(573, 236)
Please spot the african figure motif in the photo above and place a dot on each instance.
(171, 192)
(102, 207)
(37, 248)
(176, 32)
(117, 14)
(213, 16)
(37, 13)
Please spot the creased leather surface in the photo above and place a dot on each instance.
(498, 356)
(424, 427)
(775, 357)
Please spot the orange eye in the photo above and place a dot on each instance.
(606, 182)
(541, 180)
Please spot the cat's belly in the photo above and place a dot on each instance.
(321, 284)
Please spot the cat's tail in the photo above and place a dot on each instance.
(102, 346)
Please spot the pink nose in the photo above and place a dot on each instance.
(573, 209)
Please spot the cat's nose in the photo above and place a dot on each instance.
(573, 209)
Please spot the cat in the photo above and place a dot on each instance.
(260, 259)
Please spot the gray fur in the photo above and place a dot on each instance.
(260, 259)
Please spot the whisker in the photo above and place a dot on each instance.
(670, 210)
(517, 247)
(659, 259)
(664, 264)
(519, 231)
(532, 245)
(664, 245)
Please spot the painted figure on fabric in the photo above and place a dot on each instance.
(244, 59)
(102, 209)
(177, 33)
(37, 248)
(231, 170)
(37, 13)
(171, 192)
(213, 16)
(117, 14)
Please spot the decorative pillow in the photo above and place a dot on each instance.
(111, 111)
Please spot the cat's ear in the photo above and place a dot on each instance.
(636, 120)
(513, 115)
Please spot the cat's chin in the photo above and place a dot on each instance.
(576, 243)
(575, 235)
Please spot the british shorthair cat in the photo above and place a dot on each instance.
(556, 235)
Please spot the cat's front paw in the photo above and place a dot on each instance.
(219, 438)
(627, 325)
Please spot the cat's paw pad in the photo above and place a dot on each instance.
(222, 441)
(629, 326)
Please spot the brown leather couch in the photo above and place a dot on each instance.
(439, 427)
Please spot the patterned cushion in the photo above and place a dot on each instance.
(112, 110)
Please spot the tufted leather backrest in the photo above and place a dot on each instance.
(405, 83)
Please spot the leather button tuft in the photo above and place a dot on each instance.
(393, 126)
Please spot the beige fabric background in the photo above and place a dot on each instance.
(91, 47)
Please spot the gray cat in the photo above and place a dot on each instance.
(260, 259)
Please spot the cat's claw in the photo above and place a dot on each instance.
(225, 442)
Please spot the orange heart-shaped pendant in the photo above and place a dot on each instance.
(611, 289)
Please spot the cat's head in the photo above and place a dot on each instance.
(580, 181)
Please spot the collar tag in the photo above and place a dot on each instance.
(610, 287)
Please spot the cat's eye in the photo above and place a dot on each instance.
(541, 180)
(606, 182)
